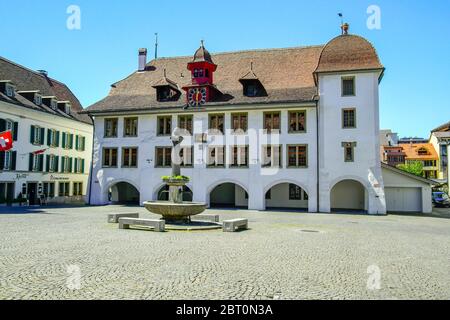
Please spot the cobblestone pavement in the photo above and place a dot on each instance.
(284, 255)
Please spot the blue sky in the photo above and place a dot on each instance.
(413, 42)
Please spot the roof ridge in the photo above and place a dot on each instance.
(31, 70)
(242, 51)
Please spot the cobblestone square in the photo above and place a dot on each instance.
(284, 255)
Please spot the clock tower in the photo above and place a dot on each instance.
(202, 88)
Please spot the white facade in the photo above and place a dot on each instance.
(22, 178)
(256, 181)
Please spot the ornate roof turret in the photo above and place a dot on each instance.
(202, 55)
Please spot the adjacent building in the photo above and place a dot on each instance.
(276, 128)
(52, 146)
(440, 139)
(424, 153)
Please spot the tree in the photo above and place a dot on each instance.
(414, 167)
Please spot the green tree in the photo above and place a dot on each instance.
(414, 167)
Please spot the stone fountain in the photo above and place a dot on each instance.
(175, 210)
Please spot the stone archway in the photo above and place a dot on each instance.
(349, 195)
(228, 195)
(286, 195)
(123, 193)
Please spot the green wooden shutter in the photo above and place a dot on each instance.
(70, 165)
(76, 165)
(71, 141)
(15, 131)
(30, 163)
(13, 160)
(42, 137)
(77, 142)
(48, 163)
(41, 162)
(2, 125)
(63, 160)
(32, 135)
(82, 165)
(84, 144)
(49, 137)
(55, 165)
(64, 140)
(57, 138)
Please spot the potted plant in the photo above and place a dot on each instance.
(175, 180)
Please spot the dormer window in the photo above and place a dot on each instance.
(252, 86)
(37, 99)
(68, 108)
(54, 104)
(422, 152)
(9, 90)
(164, 93)
(166, 90)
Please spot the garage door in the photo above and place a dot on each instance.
(403, 199)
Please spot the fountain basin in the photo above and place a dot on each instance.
(175, 211)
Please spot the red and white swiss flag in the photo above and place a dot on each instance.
(6, 141)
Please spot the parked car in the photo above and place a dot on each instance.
(441, 199)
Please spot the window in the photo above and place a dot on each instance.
(186, 156)
(349, 155)
(297, 156)
(163, 156)
(111, 128)
(297, 121)
(216, 122)
(251, 90)
(185, 122)
(37, 99)
(10, 91)
(49, 189)
(36, 162)
(66, 164)
(79, 165)
(295, 192)
(271, 156)
(239, 122)
(54, 104)
(239, 156)
(198, 73)
(109, 157)
(80, 143)
(164, 125)
(348, 86)
(7, 160)
(64, 189)
(130, 127)
(216, 156)
(272, 121)
(129, 157)
(348, 118)
(37, 135)
(77, 188)
(422, 152)
(52, 163)
(67, 140)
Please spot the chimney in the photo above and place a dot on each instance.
(142, 59)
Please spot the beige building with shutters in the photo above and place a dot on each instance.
(52, 147)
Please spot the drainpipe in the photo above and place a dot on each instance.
(92, 161)
(317, 151)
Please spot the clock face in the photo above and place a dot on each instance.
(196, 96)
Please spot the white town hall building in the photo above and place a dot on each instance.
(277, 128)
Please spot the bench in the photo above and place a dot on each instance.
(234, 225)
(114, 217)
(157, 225)
(206, 217)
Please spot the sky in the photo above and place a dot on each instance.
(413, 42)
